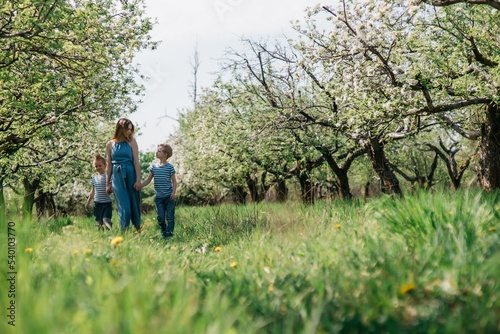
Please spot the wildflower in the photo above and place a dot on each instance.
(173, 248)
(185, 227)
(116, 240)
(405, 288)
(492, 228)
(337, 226)
(113, 262)
(218, 248)
(87, 251)
(233, 264)
(28, 250)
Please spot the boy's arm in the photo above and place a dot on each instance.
(91, 195)
(147, 181)
(174, 186)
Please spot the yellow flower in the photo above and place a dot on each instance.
(337, 226)
(405, 288)
(491, 229)
(113, 262)
(173, 248)
(185, 226)
(87, 251)
(218, 248)
(116, 240)
(28, 250)
(233, 264)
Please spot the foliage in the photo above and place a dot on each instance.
(361, 77)
(66, 71)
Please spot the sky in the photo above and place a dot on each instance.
(210, 27)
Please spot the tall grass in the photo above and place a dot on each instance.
(427, 263)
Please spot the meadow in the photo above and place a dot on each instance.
(428, 263)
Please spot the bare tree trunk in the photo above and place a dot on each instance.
(306, 188)
(3, 208)
(489, 155)
(388, 181)
(281, 191)
(29, 197)
(239, 194)
(45, 204)
(257, 192)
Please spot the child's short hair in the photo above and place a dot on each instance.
(167, 149)
(98, 157)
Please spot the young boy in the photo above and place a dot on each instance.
(165, 186)
(102, 201)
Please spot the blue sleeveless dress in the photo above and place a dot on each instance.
(123, 180)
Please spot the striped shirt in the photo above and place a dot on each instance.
(99, 183)
(162, 179)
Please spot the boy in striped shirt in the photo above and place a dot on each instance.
(165, 186)
(103, 208)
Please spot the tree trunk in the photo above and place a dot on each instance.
(343, 187)
(239, 195)
(388, 181)
(3, 208)
(281, 191)
(306, 188)
(45, 204)
(257, 192)
(489, 155)
(341, 180)
(29, 197)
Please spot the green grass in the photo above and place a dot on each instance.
(425, 264)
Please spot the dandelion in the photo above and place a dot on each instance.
(185, 227)
(87, 251)
(28, 250)
(337, 226)
(405, 288)
(233, 264)
(116, 240)
(218, 248)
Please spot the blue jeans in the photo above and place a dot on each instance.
(165, 210)
(103, 211)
